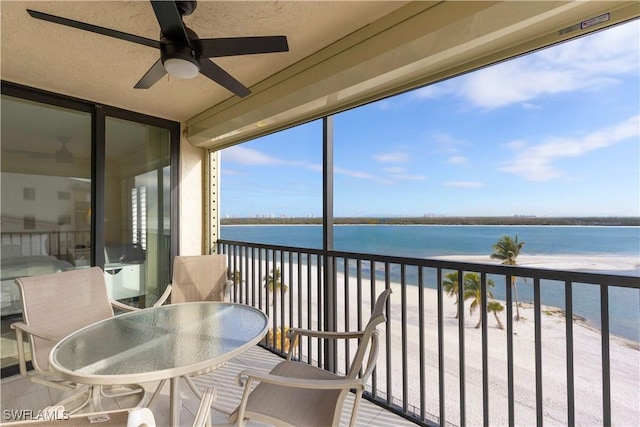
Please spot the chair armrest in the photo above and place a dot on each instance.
(204, 410)
(163, 298)
(292, 332)
(121, 306)
(246, 376)
(23, 327)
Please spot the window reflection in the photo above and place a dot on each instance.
(46, 193)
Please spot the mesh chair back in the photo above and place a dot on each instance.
(58, 304)
(377, 316)
(199, 278)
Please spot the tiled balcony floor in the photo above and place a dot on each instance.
(19, 393)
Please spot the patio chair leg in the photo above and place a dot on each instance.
(193, 387)
(198, 394)
(155, 394)
(354, 411)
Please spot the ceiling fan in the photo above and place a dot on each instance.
(62, 155)
(182, 53)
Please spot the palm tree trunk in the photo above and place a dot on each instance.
(515, 291)
(500, 325)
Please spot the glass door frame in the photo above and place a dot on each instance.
(98, 180)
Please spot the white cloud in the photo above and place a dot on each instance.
(457, 160)
(583, 64)
(248, 156)
(353, 173)
(409, 177)
(312, 166)
(395, 174)
(392, 157)
(613, 51)
(513, 82)
(464, 184)
(447, 142)
(396, 169)
(433, 91)
(253, 157)
(386, 104)
(536, 162)
(517, 144)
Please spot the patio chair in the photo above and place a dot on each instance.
(199, 278)
(299, 394)
(53, 306)
(55, 416)
(196, 278)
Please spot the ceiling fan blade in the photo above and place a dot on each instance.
(94, 29)
(155, 73)
(223, 78)
(170, 21)
(31, 154)
(232, 46)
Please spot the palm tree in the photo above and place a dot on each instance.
(450, 284)
(273, 283)
(236, 278)
(496, 307)
(507, 250)
(473, 291)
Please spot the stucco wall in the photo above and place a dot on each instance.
(191, 222)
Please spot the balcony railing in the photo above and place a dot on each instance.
(436, 369)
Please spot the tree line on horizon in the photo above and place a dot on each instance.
(460, 220)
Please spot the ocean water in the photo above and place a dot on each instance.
(424, 241)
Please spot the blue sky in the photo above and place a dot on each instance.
(552, 133)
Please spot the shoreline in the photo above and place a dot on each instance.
(612, 221)
(392, 224)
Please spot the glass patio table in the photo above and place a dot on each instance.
(159, 343)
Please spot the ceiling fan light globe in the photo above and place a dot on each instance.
(181, 68)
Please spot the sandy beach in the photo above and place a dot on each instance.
(625, 354)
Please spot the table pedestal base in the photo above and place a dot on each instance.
(174, 402)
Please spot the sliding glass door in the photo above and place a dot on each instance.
(137, 210)
(84, 185)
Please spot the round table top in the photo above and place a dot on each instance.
(158, 343)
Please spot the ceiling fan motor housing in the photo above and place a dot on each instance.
(186, 8)
(177, 51)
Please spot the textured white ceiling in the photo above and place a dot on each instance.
(103, 69)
